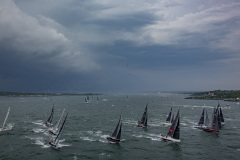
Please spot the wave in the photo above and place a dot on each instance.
(104, 154)
(39, 122)
(39, 141)
(9, 127)
(93, 136)
(38, 130)
(153, 137)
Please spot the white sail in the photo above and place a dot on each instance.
(55, 128)
(5, 119)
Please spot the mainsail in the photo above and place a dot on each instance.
(221, 115)
(144, 119)
(176, 134)
(206, 119)
(116, 129)
(201, 121)
(51, 116)
(169, 116)
(172, 118)
(119, 132)
(213, 126)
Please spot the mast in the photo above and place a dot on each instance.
(201, 121)
(6, 118)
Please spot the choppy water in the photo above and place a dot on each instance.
(26, 137)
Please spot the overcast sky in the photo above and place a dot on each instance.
(119, 46)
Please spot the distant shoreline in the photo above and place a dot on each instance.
(225, 95)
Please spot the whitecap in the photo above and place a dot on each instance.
(9, 127)
(38, 130)
(88, 139)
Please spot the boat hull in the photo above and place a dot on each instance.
(166, 138)
(211, 130)
(114, 140)
(53, 145)
(200, 127)
(141, 125)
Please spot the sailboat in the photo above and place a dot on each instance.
(1, 129)
(54, 130)
(213, 125)
(116, 136)
(143, 122)
(87, 99)
(54, 144)
(168, 120)
(201, 123)
(173, 134)
(49, 121)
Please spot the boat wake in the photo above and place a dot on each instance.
(38, 130)
(9, 127)
(153, 137)
(130, 122)
(39, 141)
(93, 136)
(39, 122)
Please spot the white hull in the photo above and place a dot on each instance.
(166, 138)
(200, 127)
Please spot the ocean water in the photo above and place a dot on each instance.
(84, 137)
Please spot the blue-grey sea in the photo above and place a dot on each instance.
(84, 137)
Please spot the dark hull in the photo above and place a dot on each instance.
(169, 139)
(141, 125)
(52, 145)
(114, 140)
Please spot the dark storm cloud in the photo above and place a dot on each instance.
(118, 45)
